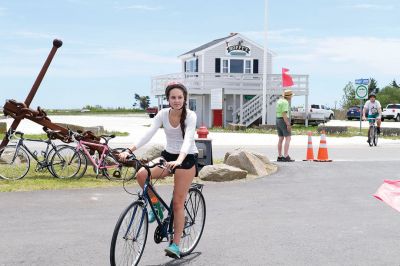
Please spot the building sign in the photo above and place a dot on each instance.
(238, 49)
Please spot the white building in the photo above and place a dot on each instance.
(234, 66)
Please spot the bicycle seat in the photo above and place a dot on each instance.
(107, 137)
(53, 134)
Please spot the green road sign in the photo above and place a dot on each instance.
(361, 92)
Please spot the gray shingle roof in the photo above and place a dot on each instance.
(205, 46)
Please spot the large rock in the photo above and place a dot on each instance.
(152, 153)
(221, 172)
(254, 163)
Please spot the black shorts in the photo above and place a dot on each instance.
(189, 162)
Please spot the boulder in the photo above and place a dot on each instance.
(97, 130)
(221, 173)
(152, 153)
(254, 163)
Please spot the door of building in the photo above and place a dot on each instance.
(217, 118)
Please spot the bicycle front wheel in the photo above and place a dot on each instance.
(371, 136)
(195, 218)
(14, 164)
(66, 162)
(130, 235)
(376, 137)
(114, 170)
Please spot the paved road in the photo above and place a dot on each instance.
(305, 214)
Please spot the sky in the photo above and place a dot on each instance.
(111, 49)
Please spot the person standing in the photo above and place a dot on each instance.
(283, 125)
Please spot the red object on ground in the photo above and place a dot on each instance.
(217, 118)
(287, 80)
(389, 192)
(202, 132)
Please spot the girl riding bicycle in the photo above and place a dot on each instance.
(180, 155)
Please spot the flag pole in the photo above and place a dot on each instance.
(264, 96)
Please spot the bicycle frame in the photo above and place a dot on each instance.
(49, 144)
(81, 147)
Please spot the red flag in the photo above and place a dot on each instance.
(287, 80)
(389, 192)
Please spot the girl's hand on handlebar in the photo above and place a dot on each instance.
(123, 155)
(173, 164)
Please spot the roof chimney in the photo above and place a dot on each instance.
(233, 33)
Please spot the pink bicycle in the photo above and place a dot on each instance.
(68, 163)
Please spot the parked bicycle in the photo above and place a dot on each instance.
(372, 132)
(15, 159)
(130, 233)
(68, 162)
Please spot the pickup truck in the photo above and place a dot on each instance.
(316, 114)
(392, 111)
(152, 111)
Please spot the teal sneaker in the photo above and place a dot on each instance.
(173, 251)
(159, 210)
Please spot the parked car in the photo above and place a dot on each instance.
(152, 111)
(316, 114)
(353, 113)
(392, 111)
(328, 113)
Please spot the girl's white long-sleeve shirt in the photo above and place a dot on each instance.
(175, 142)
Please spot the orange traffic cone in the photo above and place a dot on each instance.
(323, 150)
(310, 152)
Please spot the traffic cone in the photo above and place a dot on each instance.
(310, 152)
(323, 150)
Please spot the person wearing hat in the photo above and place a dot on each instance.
(374, 109)
(283, 125)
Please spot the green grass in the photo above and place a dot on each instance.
(302, 130)
(45, 181)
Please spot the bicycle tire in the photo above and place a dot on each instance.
(195, 217)
(127, 229)
(376, 137)
(63, 158)
(14, 164)
(371, 136)
(112, 169)
(50, 154)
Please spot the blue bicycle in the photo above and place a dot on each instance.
(130, 232)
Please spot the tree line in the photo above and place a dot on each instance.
(386, 95)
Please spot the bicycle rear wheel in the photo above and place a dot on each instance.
(66, 162)
(115, 170)
(195, 217)
(14, 164)
(130, 235)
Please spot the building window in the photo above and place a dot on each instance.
(225, 66)
(247, 67)
(192, 104)
(191, 65)
(236, 66)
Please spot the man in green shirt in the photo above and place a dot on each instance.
(283, 125)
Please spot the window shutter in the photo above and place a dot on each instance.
(217, 65)
(197, 65)
(255, 66)
(184, 66)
